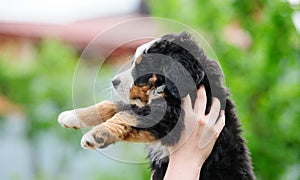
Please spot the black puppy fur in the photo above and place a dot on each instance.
(229, 158)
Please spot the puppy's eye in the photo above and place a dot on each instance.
(139, 84)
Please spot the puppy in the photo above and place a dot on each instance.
(164, 71)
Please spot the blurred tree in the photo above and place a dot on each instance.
(41, 86)
(259, 50)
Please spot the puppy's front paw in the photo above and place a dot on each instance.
(68, 119)
(98, 137)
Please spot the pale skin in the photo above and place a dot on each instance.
(198, 139)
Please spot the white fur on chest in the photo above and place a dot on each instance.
(157, 152)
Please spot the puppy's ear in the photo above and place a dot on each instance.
(179, 81)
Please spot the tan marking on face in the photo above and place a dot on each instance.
(140, 92)
(139, 59)
(153, 80)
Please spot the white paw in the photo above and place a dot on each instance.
(88, 141)
(68, 119)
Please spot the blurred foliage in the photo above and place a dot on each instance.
(263, 79)
(41, 86)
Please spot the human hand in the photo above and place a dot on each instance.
(198, 138)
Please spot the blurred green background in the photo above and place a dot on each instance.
(257, 45)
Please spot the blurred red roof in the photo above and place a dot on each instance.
(79, 34)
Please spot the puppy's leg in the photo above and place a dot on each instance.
(88, 116)
(118, 128)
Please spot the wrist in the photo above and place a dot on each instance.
(182, 169)
(185, 163)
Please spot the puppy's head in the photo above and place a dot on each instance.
(164, 67)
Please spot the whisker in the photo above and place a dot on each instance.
(109, 90)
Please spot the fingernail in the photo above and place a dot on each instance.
(201, 91)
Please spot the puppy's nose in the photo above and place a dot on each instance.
(116, 83)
